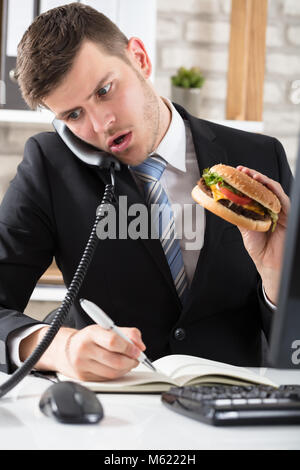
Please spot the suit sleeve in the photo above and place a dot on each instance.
(285, 178)
(27, 234)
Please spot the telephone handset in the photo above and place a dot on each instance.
(84, 151)
(94, 158)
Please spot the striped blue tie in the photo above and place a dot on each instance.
(150, 172)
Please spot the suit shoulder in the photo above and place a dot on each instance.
(241, 144)
(227, 132)
(45, 140)
(261, 152)
(48, 146)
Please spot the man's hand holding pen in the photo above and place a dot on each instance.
(90, 354)
(102, 319)
(95, 353)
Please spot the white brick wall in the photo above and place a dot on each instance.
(274, 93)
(293, 35)
(208, 60)
(283, 64)
(287, 122)
(274, 35)
(189, 6)
(196, 32)
(213, 32)
(291, 7)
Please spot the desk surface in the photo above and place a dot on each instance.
(131, 422)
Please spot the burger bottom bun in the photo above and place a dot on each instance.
(209, 203)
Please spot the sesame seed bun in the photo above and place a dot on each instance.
(248, 186)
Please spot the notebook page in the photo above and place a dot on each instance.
(183, 368)
(139, 375)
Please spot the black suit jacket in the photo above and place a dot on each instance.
(49, 210)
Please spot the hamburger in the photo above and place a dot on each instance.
(237, 198)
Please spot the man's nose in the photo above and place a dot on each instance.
(102, 120)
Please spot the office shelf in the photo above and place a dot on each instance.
(26, 117)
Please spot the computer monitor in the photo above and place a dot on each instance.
(285, 334)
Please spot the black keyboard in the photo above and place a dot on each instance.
(229, 405)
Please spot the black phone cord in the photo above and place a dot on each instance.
(68, 300)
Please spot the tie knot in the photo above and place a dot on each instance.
(151, 169)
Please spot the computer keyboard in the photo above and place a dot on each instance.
(229, 405)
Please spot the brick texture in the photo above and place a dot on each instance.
(197, 33)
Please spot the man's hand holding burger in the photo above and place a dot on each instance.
(258, 206)
(266, 248)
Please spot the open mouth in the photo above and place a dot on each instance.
(120, 139)
(121, 142)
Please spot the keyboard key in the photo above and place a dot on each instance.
(222, 405)
(239, 401)
(254, 401)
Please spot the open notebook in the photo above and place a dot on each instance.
(176, 370)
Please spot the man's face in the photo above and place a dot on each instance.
(110, 104)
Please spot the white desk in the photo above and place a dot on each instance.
(131, 422)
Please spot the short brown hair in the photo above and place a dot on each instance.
(47, 49)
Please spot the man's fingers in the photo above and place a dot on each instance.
(273, 185)
(97, 371)
(265, 180)
(112, 359)
(95, 353)
(135, 335)
(106, 372)
(109, 354)
(111, 341)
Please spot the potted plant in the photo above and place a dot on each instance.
(186, 88)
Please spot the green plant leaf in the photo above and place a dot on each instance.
(188, 78)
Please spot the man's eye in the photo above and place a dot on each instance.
(74, 115)
(104, 90)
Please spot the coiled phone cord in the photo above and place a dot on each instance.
(67, 302)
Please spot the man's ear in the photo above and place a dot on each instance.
(138, 56)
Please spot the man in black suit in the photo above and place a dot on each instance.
(73, 61)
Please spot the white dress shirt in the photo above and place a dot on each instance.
(178, 179)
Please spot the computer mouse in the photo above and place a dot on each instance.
(72, 403)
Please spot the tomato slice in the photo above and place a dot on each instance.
(241, 200)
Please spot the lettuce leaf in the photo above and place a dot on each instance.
(211, 178)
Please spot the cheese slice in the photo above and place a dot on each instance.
(217, 195)
(254, 208)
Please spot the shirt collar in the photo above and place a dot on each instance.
(172, 148)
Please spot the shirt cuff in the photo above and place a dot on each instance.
(268, 302)
(15, 339)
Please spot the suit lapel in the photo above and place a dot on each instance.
(126, 186)
(208, 153)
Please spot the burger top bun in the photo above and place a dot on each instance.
(248, 186)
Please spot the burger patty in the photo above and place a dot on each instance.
(240, 210)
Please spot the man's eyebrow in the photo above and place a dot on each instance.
(100, 84)
(97, 87)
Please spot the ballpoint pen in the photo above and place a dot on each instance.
(102, 319)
